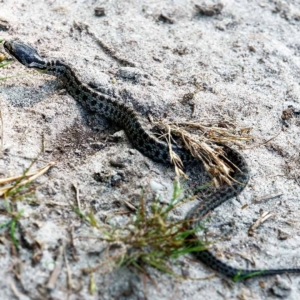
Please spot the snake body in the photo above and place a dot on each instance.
(142, 139)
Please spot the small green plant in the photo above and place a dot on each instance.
(11, 224)
(151, 237)
(4, 63)
(22, 188)
(3, 60)
(239, 277)
(10, 197)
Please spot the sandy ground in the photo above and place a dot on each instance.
(150, 53)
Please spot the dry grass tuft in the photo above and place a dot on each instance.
(204, 141)
(21, 189)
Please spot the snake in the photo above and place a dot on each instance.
(138, 133)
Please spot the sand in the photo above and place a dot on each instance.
(246, 55)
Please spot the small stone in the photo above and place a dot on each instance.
(185, 272)
(117, 163)
(97, 146)
(280, 289)
(4, 25)
(118, 136)
(181, 51)
(262, 284)
(221, 26)
(132, 151)
(117, 179)
(163, 17)
(97, 79)
(129, 73)
(77, 151)
(155, 186)
(209, 10)
(282, 235)
(103, 176)
(99, 12)
(187, 97)
(287, 114)
(155, 58)
(251, 48)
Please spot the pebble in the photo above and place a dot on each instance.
(165, 18)
(99, 11)
(118, 163)
(97, 80)
(77, 151)
(118, 136)
(130, 73)
(4, 25)
(282, 235)
(209, 10)
(132, 151)
(97, 146)
(280, 289)
(155, 186)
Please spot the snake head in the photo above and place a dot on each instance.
(25, 54)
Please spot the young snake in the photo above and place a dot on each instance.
(146, 143)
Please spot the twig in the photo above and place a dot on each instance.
(2, 130)
(69, 275)
(264, 143)
(264, 217)
(111, 52)
(10, 179)
(35, 174)
(43, 144)
(267, 197)
(77, 195)
(129, 205)
(51, 202)
(15, 290)
(58, 264)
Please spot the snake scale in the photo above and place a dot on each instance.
(147, 144)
